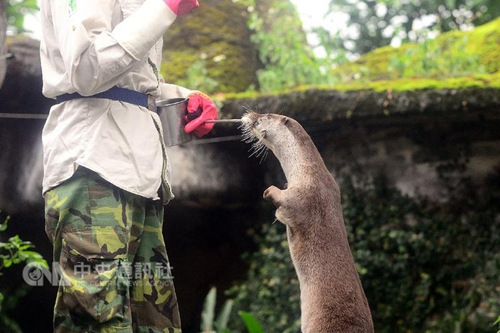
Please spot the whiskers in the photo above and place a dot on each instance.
(257, 149)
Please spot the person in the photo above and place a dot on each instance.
(106, 173)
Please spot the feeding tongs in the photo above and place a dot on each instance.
(217, 121)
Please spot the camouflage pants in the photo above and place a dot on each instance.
(115, 274)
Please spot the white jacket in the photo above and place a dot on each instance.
(89, 46)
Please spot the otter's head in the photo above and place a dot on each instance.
(267, 130)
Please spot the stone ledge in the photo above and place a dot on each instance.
(323, 105)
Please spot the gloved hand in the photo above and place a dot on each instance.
(181, 7)
(200, 108)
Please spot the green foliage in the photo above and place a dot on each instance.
(419, 264)
(13, 252)
(424, 266)
(288, 62)
(428, 60)
(497, 323)
(454, 54)
(283, 50)
(16, 251)
(208, 322)
(17, 11)
(220, 325)
(251, 323)
(379, 22)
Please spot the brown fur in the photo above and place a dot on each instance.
(332, 298)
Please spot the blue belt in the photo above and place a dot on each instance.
(115, 94)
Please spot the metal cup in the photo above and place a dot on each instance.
(172, 112)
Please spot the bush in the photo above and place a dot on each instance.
(424, 266)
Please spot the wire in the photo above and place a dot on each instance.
(23, 115)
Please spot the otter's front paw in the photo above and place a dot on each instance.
(272, 193)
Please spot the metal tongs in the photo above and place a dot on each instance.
(218, 121)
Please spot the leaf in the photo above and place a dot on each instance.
(7, 263)
(251, 322)
(25, 246)
(207, 316)
(223, 317)
(497, 322)
(32, 256)
(15, 240)
(3, 226)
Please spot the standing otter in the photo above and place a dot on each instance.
(332, 298)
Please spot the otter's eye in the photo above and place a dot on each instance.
(253, 123)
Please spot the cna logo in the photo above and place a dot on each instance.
(35, 274)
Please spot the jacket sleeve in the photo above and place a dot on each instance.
(94, 52)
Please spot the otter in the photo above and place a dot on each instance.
(331, 294)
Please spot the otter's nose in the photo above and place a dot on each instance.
(249, 118)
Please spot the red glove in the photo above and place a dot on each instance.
(200, 108)
(182, 7)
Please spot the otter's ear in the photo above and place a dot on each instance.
(284, 120)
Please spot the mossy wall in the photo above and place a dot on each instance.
(217, 35)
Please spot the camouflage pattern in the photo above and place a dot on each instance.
(115, 274)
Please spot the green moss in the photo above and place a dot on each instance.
(396, 85)
(219, 37)
(484, 41)
(453, 54)
(409, 84)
